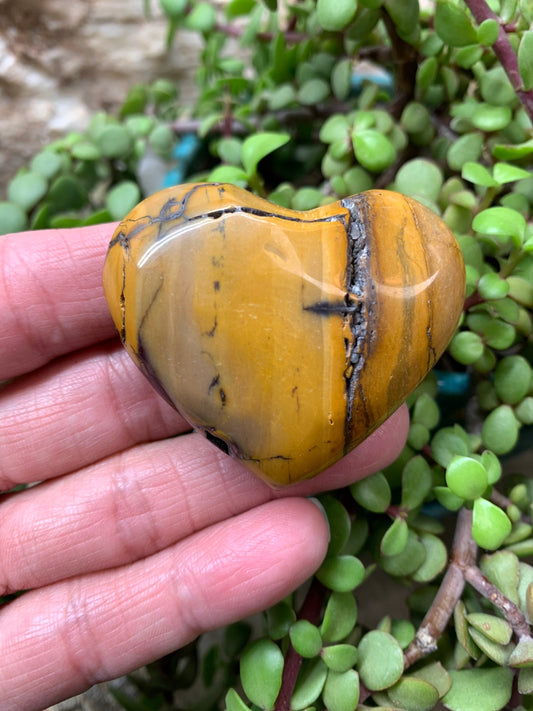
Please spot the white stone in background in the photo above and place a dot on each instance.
(60, 61)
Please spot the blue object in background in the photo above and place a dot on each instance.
(183, 156)
(451, 384)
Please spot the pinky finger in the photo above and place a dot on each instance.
(58, 641)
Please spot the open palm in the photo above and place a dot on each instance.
(140, 535)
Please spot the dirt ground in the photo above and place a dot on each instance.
(62, 61)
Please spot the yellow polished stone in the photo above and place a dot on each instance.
(286, 337)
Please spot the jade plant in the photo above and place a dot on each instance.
(305, 103)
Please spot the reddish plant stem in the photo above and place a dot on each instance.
(505, 53)
(463, 556)
(405, 61)
(310, 611)
(472, 300)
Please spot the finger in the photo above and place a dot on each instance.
(150, 497)
(57, 641)
(77, 410)
(51, 296)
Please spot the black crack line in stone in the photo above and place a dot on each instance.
(326, 308)
(360, 287)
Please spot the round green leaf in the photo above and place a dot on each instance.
(281, 97)
(508, 173)
(447, 498)
(395, 538)
(453, 25)
(499, 335)
(500, 222)
(496, 629)
(341, 690)
(259, 145)
(202, 18)
(122, 198)
(523, 411)
(84, 150)
(466, 148)
(491, 286)
(466, 347)
(305, 638)
(313, 91)
(418, 435)
(502, 569)
(380, 660)
(228, 174)
(26, 189)
(525, 59)
(406, 562)
(334, 15)
(342, 573)
(479, 689)
(114, 141)
(435, 561)
(309, 684)
(12, 218)
(466, 477)
(495, 87)
(417, 481)
(415, 117)
(372, 492)
(67, 193)
(447, 443)
(279, 619)
(339, 523)
(491, 118)
(261, 672)
(373, 150)
(487, 32)
(490, 525)
(340, 617)
(340, 657)
(512, 379)
(341, 78)
(161, 140)
(47, 163)
(426, 411)
(306, 199)
(173, 8)
(403, 631)
(478, 174)
(414, 694)
(419, 178)
(500, 430)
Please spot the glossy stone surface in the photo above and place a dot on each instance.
(286, 337)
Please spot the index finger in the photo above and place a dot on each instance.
(51, 296)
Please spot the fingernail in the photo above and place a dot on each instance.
(322, 510)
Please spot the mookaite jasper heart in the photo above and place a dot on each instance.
(286, 337)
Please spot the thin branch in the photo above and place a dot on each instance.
(509, 610)
(311, 610)
(463, 556)
(405, 61)
(505, 53)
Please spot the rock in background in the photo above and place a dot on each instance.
(60, 61)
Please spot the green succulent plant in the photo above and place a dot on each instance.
(323, 99)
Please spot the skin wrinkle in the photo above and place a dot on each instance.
(80, 641)
(68, 387)
(79, 315)
(39, 339)
(133, 516)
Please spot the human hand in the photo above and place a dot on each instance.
(136, 540)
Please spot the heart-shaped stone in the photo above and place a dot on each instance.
(286, 337)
